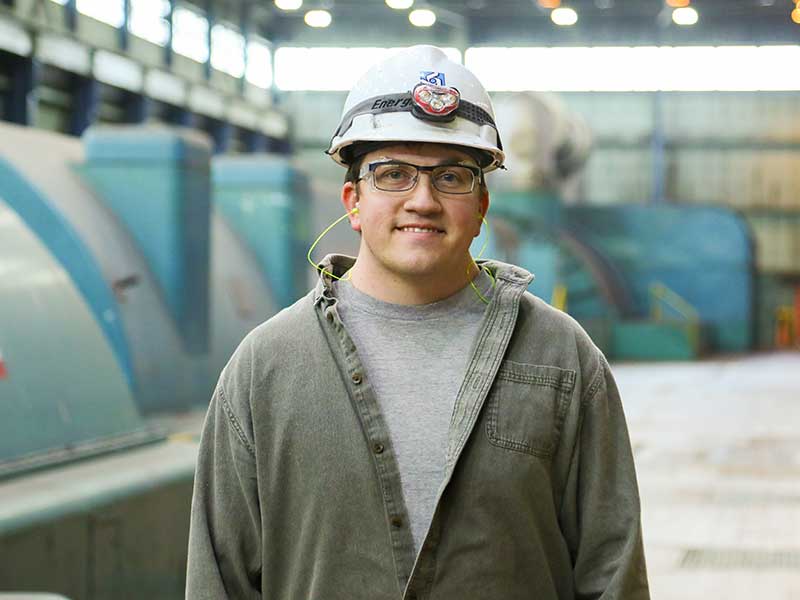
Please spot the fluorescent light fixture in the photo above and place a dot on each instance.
(330, 69)
(288, 4)
(64, 52)
(637, 69)
(564, 16)
(685, 16)
(318, 18)
(165, 87)
(422, 17)
(274, 124)
(240, 113)
(118, 70)
(207, 102)
(14, 38)
(399, 4)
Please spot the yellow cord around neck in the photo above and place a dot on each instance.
(349, 274)
(484, 268)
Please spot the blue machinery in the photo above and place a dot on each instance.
(132, 264)
(646, 281)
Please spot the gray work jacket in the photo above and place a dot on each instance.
(298, 495)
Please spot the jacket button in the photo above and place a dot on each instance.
(356, 378)
(397, 522)
(378, 448)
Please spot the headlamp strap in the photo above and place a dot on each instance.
(404, 102)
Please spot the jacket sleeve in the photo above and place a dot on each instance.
(601, 503)
(225, 532)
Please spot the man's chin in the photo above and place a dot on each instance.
(429, 270)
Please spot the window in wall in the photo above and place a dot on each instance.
(148, 20)
(111, 12)
(259, 63)
(227, 50)
(322, 69)
(190, 34)
(667, 68)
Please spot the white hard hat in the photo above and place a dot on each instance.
(419, 95)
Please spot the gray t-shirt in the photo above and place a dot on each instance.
(416, 358)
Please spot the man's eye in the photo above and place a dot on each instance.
(450, 177)
(395, 174)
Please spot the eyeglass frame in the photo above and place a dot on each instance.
(369, 169)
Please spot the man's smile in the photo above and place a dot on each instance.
(420, 229)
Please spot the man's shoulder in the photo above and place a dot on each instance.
(536, 312)
(547, 335)
(290, 323)
(280, 339)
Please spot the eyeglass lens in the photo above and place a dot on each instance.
(448, 179)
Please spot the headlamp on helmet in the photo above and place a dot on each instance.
(435, 102)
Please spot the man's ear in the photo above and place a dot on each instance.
(483, 209)
(350, 203)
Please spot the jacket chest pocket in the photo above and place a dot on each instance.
(526, 407)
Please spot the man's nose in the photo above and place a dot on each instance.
(423, 196)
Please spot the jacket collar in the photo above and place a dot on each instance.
(339, 264)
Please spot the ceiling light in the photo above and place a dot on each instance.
(318, 18)
(288, 4)
(564, 16)
(422, 17)
(685, 16)
(796, 15)
(399, 4)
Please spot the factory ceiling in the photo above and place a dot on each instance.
(464, 23)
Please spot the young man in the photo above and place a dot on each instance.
(419, 426)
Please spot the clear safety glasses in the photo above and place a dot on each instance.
(397, 176)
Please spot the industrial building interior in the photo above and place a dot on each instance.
(163, 174)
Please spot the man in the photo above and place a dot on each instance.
(419, 426)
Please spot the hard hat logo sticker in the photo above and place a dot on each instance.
(432, 77)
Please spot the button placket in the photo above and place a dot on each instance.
(368, 411)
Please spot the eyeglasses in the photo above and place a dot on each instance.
(397, 176)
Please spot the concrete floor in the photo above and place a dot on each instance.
(717, 448)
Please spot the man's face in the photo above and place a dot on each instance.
(421, 233)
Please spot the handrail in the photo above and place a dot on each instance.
(559, 299)
(661, 294)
